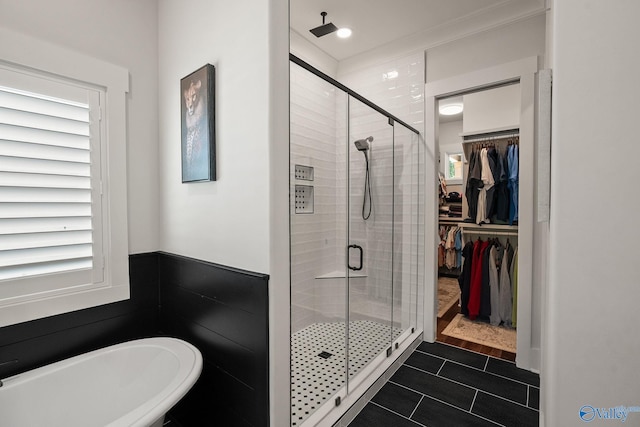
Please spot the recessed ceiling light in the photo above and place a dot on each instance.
(393, 74)
(344, 33)
(450, 109)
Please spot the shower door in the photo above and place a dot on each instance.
(354, 242)
(370, 237)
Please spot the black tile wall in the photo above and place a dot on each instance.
(224, 312)
(43, 341)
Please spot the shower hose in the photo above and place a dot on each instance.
(366, 213)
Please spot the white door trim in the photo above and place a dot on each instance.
(524, 71)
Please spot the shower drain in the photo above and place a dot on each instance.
(325, 355)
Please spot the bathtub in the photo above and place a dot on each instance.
(130, 384)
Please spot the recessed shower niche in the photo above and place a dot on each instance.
(303, 172)
(303, 199)
(355, 262)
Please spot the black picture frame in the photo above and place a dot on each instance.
(198, 154)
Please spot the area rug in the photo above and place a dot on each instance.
(448, 294)
(482, 333)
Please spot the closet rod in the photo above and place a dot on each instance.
(490, 233)
(510, 133)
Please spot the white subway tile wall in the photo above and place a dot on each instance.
(319, 125)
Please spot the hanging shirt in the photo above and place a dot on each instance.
(502, 200)
(495, 259)
(464, 280)
(485, 290)
(514, 288)
(513, 182)
(492, 157)
(458, 246)
(473, 183)
(505, 298)
(475, 291)
(450, 248)
(487, 183)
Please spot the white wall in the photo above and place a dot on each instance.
(240, 220)
(498, 46)
(592, 340)
(226, 221)
(124, 33)
(303, 49)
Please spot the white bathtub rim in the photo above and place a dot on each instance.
(144, 415)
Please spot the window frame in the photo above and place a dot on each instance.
(19, 51)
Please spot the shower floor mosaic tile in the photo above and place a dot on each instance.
(318, 363)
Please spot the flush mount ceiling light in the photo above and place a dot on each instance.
(450, 109)
(324, 29)
(344, 33)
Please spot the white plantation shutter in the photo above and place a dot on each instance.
(50, 195)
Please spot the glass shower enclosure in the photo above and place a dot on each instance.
(355, 239)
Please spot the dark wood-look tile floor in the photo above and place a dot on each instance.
(443, 386)
(479, 348)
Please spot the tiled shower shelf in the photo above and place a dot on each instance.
(339, 274)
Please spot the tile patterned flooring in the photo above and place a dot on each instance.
(442, 386)
(314, 378)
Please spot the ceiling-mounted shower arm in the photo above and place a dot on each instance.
(323, 29)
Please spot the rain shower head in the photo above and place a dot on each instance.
(324, 29)
(363, 144)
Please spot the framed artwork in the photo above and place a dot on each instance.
(198, 125)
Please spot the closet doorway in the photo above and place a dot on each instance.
(478, 137)
(494, 130)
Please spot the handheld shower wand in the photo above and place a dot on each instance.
(363, 146)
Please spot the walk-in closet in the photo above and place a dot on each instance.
(478, 183)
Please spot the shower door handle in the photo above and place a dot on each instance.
(348, 264)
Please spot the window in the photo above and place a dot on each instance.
(63, 233)
(454, 167)
(50, 175)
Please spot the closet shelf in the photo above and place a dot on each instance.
(488, 132)
(448, 220)
(489, 229)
